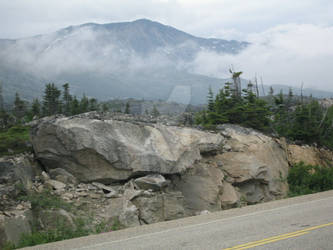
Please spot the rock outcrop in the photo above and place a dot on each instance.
(129, 172)
(109, 150)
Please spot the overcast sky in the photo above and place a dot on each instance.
(211, 18)
(292, 40)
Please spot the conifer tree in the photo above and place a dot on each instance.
(51, 100)
(36, 108)
(67, 99)
(1, 98)
(155, 112)
(75, 106)
(127, 108)
(210, 98)
(19, 108)
(93, 104)
(84, 104)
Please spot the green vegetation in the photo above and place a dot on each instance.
(306, 179)
(61, 230)
(45, 200)
(14, 140)
(230, 106)
(300, 121)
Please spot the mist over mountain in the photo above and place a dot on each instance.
(139, 59)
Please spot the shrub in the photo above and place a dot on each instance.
(15, 138)
(308, 179)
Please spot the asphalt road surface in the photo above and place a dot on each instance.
(304, 222)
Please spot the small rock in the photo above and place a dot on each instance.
(94, 196)
(45, 177)
(204, 212)
(56, 185)
(19, 207)
(112, 195)
(82, 194)
(103, 187)
(62, 175)
(154, 181)
(67, 196)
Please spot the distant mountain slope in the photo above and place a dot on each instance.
(139, 59)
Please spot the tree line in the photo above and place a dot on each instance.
(281, 115)
(54, 101)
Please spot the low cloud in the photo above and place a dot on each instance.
(287, 54)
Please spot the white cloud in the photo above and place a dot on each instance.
(287, 54)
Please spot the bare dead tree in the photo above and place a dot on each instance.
(262, 86)
(257, 89)
(236, 82)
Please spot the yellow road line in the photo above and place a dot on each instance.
(255, 244)
(278, 237)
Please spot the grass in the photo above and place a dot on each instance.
(61, 232)
(45, 200)
(16, 139)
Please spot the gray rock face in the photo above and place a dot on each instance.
(256, 163)
(202, 188)
(110, 150)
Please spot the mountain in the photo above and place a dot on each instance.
(140, 59)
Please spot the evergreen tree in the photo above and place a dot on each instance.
(232, 107)
(84, 104)
(36, 108)
(93, 104)
(155, 112)
(75, 106)
(67, 99)
(19, 108)
(210, 97)
(1, 98)
(105, 107)
(127, 108)
(51, 100)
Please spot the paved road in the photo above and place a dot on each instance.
(299, 223)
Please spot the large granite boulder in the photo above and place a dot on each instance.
(111, 150)
(257, 164)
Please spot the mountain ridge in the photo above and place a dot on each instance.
(136, 59)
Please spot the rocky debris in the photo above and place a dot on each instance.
(155, 182)
(16, 175)
(256, 164)
(111, 151)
